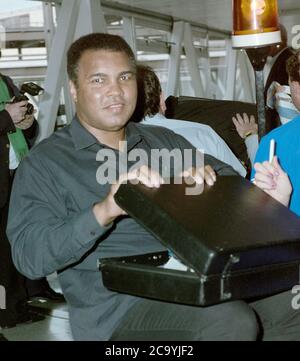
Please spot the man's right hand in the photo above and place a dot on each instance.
(245, 125)
(17, 111)
(107, 210)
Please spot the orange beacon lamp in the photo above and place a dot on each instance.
(255, 27)
(255, 23)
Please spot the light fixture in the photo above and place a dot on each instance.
(255, 23)
(255, 28)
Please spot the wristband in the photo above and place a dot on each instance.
(246, 135)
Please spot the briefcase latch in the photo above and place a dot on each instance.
(225, 290)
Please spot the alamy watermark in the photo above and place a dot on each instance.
(170, 164)
(296, 299)
(295, 303)
(2, 298)
(296, 37)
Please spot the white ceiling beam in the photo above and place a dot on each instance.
(192, 61)
(55, 75)
(246, 75)
(129, 32)
(49, 28)
(91, 18)
(153, 18)
(231, 61)
(174, 61)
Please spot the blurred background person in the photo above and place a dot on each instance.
(151, 107)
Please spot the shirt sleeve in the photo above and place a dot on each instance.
(224, 154)
(251, 143)
(219, 167)
(262, 154)
(43, 236)
(6, 123)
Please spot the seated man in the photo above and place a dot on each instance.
(62, 219)
(200, 135)
(287, 138)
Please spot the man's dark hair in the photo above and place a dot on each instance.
(293, 67)
(149, 91)
(95, 41)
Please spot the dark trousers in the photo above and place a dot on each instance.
(268, 319)
(17, 287)
(150, 320)
(10, 278)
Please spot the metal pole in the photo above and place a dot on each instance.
(260, 103)
(258, 57)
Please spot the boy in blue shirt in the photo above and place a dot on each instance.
(287, 138)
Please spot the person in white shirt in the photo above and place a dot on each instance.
(201, 136)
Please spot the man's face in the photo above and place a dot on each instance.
(106, 90)
(295, 93)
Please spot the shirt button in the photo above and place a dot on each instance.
(7, 145)
(93, 233)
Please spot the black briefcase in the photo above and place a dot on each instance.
(233, 242)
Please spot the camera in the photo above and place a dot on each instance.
(32, 89)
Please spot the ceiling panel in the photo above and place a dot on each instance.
(213, 13)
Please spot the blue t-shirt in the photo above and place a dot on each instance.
(287, 149)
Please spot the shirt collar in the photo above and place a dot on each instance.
(133, 136)
(157, 116)
(82, 138)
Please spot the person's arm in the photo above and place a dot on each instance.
(271, 178)
(44, 235)
(13, 116)
(16, 114)
(219, 167)
(247, 129)
(6, 123)
(251, 143)
(224, 153)
(29, 126)
(262, 153)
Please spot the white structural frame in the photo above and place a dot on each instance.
(129, 32)
(79, 17)
(49, 28)
(55, 75)
(192, 61)
(69, 23)
(174, 61)
(231, 66)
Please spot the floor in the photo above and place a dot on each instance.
(55, 326)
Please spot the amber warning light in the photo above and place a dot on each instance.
(255, 23)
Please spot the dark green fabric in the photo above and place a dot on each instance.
(18, 142)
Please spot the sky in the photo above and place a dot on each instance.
(8, 5)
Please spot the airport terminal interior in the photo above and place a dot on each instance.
(187, 43)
